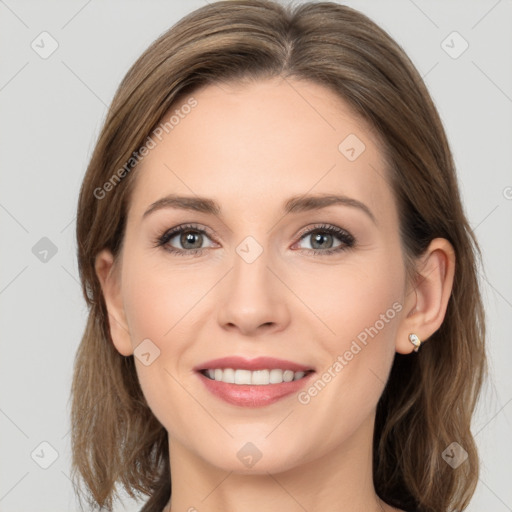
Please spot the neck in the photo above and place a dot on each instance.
(340, 480)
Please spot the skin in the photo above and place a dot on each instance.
(250, 148)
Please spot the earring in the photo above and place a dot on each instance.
(415, 341)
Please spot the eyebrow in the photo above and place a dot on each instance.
(295, 204)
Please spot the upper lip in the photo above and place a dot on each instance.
(259, 363)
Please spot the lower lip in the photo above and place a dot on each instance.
(247, 395)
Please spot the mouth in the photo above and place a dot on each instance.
(253, 383)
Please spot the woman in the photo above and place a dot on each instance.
(254, 368)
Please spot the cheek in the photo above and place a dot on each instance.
(359, 308)
(156, 307)
(355, 296)
(160, 302)
(164, 305)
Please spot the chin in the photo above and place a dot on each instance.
(256, 457)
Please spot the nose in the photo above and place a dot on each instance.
(253, 298)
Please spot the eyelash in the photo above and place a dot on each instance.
(348, 241)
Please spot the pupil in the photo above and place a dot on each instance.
(189, 238)
(319, 237)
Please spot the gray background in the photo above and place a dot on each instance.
(51, 112)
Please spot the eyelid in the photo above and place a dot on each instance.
(324, 227)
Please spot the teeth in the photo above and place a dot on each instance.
(276, 376)
(241, 376)
(258, 377)
(228, 375)
(288, 376)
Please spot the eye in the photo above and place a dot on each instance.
(189, 237)
(323, 239)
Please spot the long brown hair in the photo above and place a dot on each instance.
(430, 397)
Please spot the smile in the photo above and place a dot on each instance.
(252, 382)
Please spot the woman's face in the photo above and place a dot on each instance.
(265, 268)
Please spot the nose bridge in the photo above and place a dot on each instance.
(250, 274)
(252, 297)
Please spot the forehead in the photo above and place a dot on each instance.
(272, 138)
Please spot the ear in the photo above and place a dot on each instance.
(109, 276)
(427, 298)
